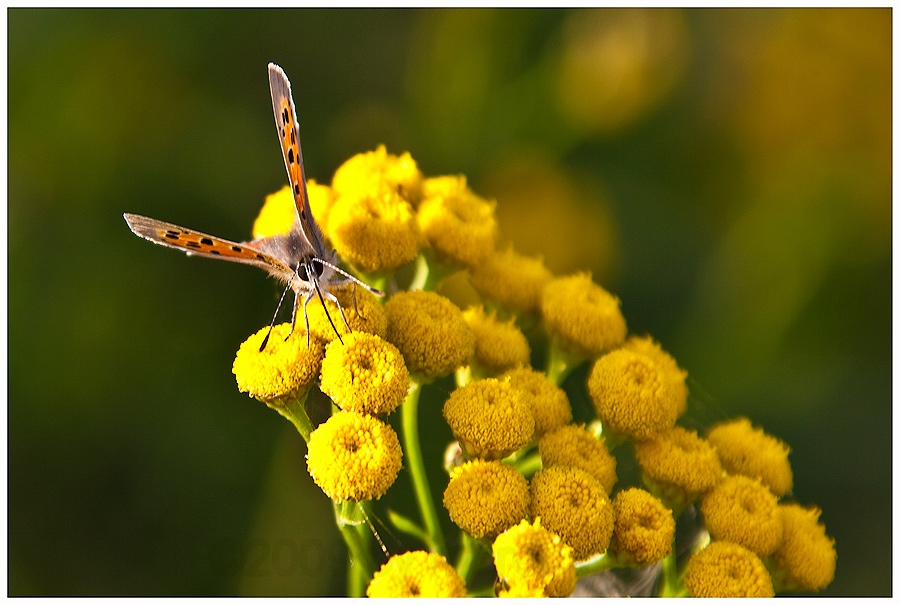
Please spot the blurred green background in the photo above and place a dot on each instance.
(726, 173)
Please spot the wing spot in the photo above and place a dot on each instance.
(206, 241)
(192, 245)
(260, 256)
(216, 252)
(172, 235)
(296, 189)
(293, 138)
(284, 116)
(237, 249)
(291, 155)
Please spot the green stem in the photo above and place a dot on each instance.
(471, 557)
(672, 585)
(429, 272)
(602, 563)
(413, 450)
(351, 523)
(560, 363)
(293, 407)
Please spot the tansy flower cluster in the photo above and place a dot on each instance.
(533, 488)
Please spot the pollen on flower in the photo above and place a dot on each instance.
(489, 418)
(533, 561)
(353, 457)
(644, 528)
(486, 497)
(806, 558)
(362, 309)
(277, 215)
(549, 403)
(678, 464)
(416, 574)
(631, 395)
(585, 317)
(723, 569)
(459, 225)
(573, 445)
(743, 511)
(574, 505)
(512, 280)
(667, 365)
(376, 170)
(283, 368)
(374, 230)
(744, 450)
(364, 374)
(499, 345)
(430, 332)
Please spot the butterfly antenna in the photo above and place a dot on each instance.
(315, 283)
(371, 525)
(272, 325)
(352, 278)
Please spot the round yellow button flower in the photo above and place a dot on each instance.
(513, 280)
(549, 403)
(585, 317)
(353, 457)
(532, 561)
(499, 345)
(723, 569)
(806, 558)
(362, 309)
(416, 574)
(375, 170)
(573, 445)
(430, 332)
(489, 418)
(666, 364)
(460, 226)
(744, 450)
(364, 374)
(678, 465)
(486, 497)
(574, 505)
(283, 368)
(743, 511)
(644, 528)
(631, 395)
(279, 212)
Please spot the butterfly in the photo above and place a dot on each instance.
(299, 258)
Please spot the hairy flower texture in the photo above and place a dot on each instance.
(806, 558)
(742, 510)
(364, 374)
(353, 457)
(644, 528)
(584, 316)
(486, 497)
(499, 345)
(533, 561)
(631, 395)
(375, 170)
(666, 364)
(574, 505)
(549, 404)
(361, 308)
(490, 419)
(678, 465)
(512, 280)
(416, 574)
(744, 450)
(723, 569)
(573, 445)
(459, 225)
(375, 230)
(430, 332)
(283, 368)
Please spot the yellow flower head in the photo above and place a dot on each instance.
(574, 505)
(283, 368)
(362, 309)
(679, 465)
(549, 403)
(644, 528)
(430, 331)
(723, 569)
(278, 213)
(533, 561)
(489, 418)
(575, 446)
(353, 457)
(375, 170)
(743, 511)
(806, 558)
(584, 316)
(374, 230)
(364, 374)
(631, 395)
(499, 345)
(744, 450)
(416, 574)
(513, 280)
(666, 364)
(459, 225)
(486, 497)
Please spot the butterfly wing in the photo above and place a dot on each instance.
(286, 125)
